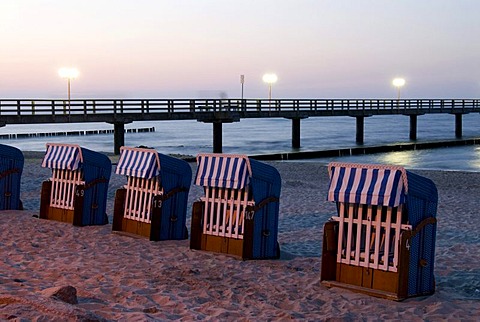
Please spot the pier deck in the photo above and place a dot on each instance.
(218, 111)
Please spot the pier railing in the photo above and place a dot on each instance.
(217, 111)
(189, 108)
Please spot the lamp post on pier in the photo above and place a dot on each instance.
(398, 83)
(242, 81)
(69, 73)
(270, 79)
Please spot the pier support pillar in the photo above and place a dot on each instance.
(413, 127)
(295, 133)
(458, 125)
(118, 137)
(217, 118)
(360, 126)
(217, 137)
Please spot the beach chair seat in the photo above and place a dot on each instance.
(11, 168)
(77, 191)
(382, 241)
(238, 213)
(154, 201)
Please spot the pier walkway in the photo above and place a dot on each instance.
(218, 111)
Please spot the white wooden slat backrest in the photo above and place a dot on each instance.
(139, 198)
(224, 211)
(64, 182)
(369, 236)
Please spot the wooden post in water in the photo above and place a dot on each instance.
(458, 125)
(413, 127)
(360, 125)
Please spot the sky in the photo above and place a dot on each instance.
(199, 48)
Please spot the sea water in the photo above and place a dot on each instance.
(273, 135)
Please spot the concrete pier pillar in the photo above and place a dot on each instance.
(118, 137)
(458, 125)
(217, 118)
(295, 133)
(360, 126)
(217, 137)
(413, 127)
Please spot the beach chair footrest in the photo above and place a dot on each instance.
(365, 290)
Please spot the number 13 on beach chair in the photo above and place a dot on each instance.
(238, 214)
(77, 191)
(153, 203)
(382, 242)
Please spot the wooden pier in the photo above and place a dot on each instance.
(218, 111)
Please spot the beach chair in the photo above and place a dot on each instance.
(382, 241)
(77, 191)
(238, 213)
(11, 167)
(153, 203)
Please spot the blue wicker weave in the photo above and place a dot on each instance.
(11, 167)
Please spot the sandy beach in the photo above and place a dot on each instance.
(120, 278)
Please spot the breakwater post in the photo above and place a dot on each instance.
(69, 133)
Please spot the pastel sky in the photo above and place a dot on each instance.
(199, 48)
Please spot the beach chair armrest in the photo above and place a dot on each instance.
(94, 182)
(171, 193)
(9, 172)
(422, 224)
(251, 210)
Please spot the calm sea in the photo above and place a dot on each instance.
(264, 136)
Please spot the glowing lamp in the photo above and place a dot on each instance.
(398, 83)
(270, 78)
(69, 73)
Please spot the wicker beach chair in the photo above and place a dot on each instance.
(382, 242)
(238, 214)
(153, 203)
(77, 191)
(11, 167)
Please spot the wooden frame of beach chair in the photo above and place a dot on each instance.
(77, 191)
(11, 167)
(238, 214)
(153, 203)
(382, 241)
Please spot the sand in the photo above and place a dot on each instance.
(118, 277)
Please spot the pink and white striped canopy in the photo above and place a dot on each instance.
(367, 184)
(62, 156)
(223, 171)
(138, 162)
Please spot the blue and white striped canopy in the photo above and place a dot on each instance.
(223, 171)
(62, 156)
(137, 162)
(367, 184)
